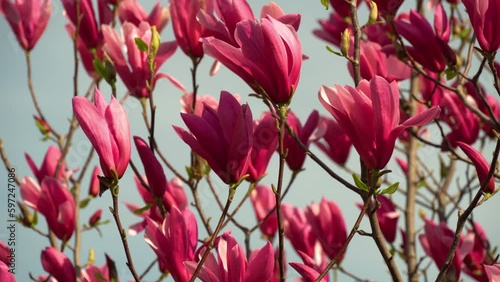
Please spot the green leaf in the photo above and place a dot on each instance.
(325, 4)
(451, 73)
(330, 49)
(141, 44)
(391, 189)
(84, 203)
(143, 209)
(360, 184)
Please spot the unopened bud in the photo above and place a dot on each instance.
(345, 42)
(154, 45)
(373, 13)
(91, 257)
(26, 217)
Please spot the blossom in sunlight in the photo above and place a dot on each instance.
(263, 202)
(296, 156)
(132, 11)
(174, 241)
(429, 47)
(298, 229)
(49, 164)
(268, 59)
(328, 223)
(483, 15)
(27, 19)
(265, 143)
(187, 29)
(135, 72)
(369, 114)
(54, 201)
(333, 140)
(89, 27)
(58, 265)
(107, 128)
(232, 263)
(223, 137)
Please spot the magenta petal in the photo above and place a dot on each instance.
(154, 171)
(482, 166)
(261, 265)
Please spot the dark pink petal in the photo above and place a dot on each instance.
(58, 265)
(482, 166)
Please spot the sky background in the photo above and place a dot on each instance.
(52, 77)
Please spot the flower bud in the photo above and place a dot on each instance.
(345, 42)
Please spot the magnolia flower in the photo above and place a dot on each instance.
(135, 72)
(154, 171)
(263, 202)
(485, 21)
(265, 143)
(333, 141)
(132, 11)
(107, 127)
(482, 166)
(187, 29)
(54, 201)
(27, 18)
(268, 59)
(232, 264)
(296, 156)
(369, 114)
(174, 241)
(49, 164)
(223, 137)
(58, 265)
(5, 274)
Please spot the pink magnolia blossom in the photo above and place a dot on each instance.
(436, 242)
(231, 12)
(5, 275)
(373, 61)
(464, 124)
(107, 127)
(135, 72)
(58, 265)
(388, 7)
(89, 30)
(174, 197)
(4, 253)
(187, 29)
(328, 223)
(403, 165)
(475, 261)
(263, 202)
(154, 171)
(174, 241)
(429, 47)
(54, 201)
(132, 11)
(93, 273)
(369, 114)
(201, 102)
(298, 229)
(485, 21)
(493, 272)
(232, 264)
(268, 60)
(332, 28)
(49, 164)
(295, 154)
(311, 268)
(95, 218)
(387, 217)
(27, 18)
(94, 187)
(482, 166)
(342, 7)
(223, 137)
(334, 142)
(265, 143)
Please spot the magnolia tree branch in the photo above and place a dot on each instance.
(463, 215)
(282, 111)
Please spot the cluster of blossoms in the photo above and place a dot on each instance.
(266, 53)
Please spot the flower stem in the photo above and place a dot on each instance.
(123, 235)
(230, 196)
(281, 230)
